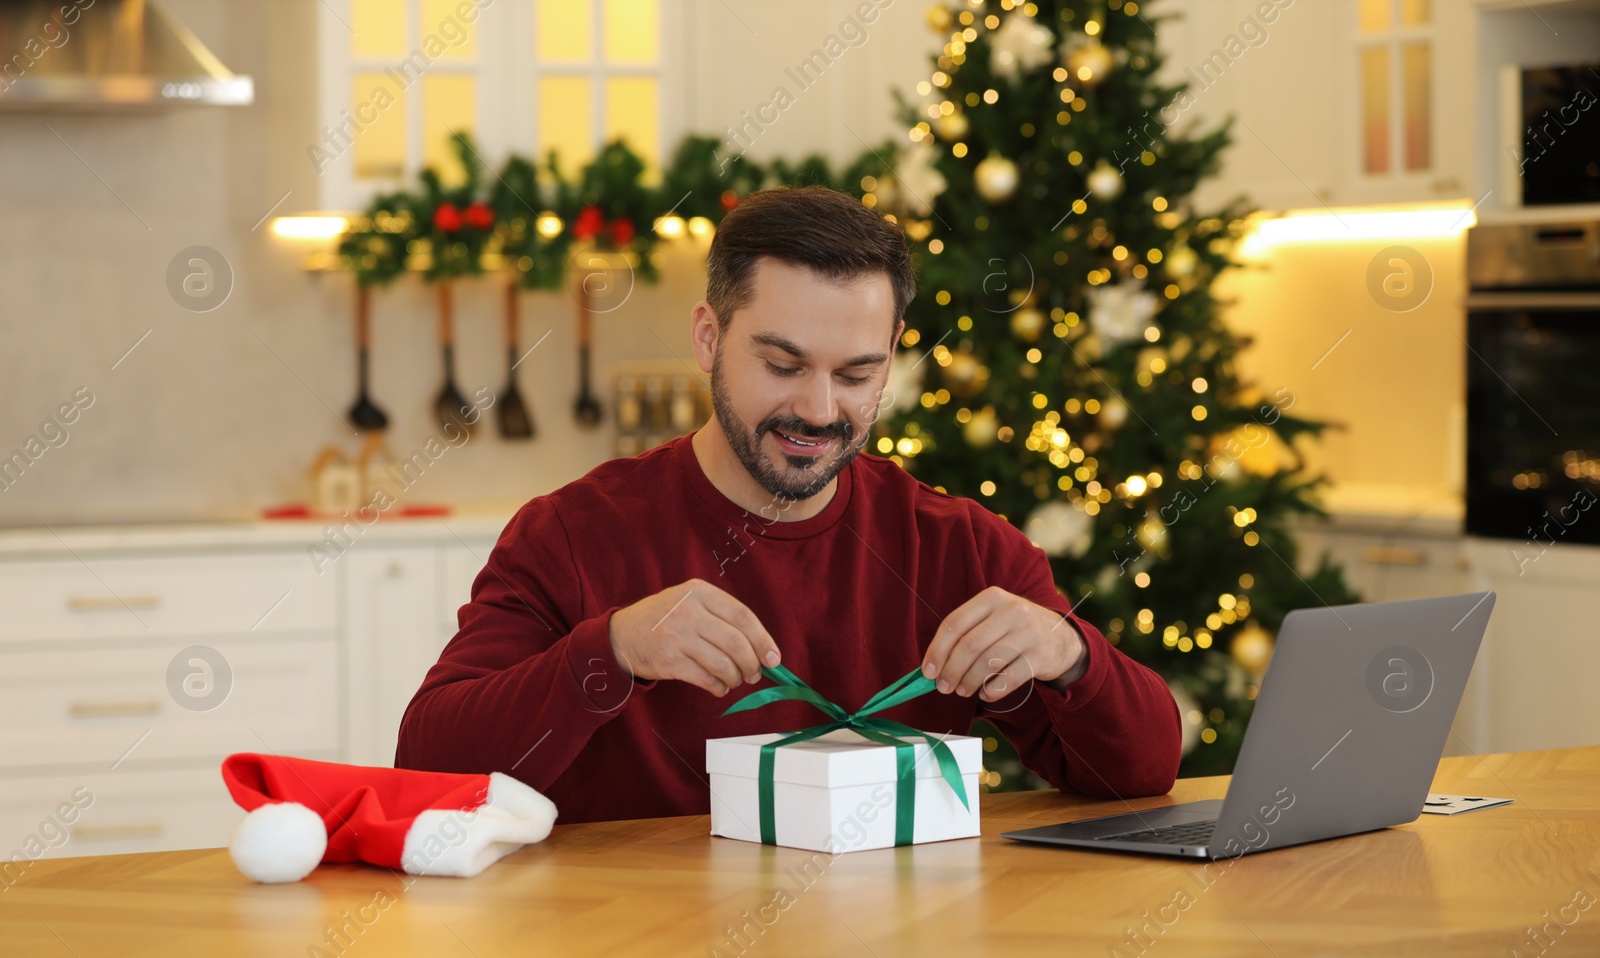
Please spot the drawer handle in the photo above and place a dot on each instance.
(114, 709)
(1394, 555)
(105, 832)
(112, 603)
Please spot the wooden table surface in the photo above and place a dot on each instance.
(1481, 883)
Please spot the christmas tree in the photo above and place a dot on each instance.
(1067, 364)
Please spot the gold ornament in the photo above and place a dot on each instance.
(965, 375)
(1181, 262)
(981, 429)
(1027, 324)
(1259, 451)
(996, 178)
(952, 126)
(1252, 648)
(1113, 413)
(1089, 62)
(1105, 181)
(940, 19)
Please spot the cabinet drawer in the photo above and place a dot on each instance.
(159, 596)
(107, 812)
(91, 707)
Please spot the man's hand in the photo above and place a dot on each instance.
(996, 642)
(695, 633)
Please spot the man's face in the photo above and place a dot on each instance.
(798, 373)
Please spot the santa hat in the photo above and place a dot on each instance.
(302, 812)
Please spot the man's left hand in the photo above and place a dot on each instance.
(995, 642)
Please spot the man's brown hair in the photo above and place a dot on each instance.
(830, 232)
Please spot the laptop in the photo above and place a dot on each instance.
(1346, 736)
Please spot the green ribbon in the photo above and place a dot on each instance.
(880, 730)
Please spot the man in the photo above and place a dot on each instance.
(616, 615)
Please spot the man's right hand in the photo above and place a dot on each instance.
(693, 632)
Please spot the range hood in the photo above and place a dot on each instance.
(106, 55)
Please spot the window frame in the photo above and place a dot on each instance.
(506, 75)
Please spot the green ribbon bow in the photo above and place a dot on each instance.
(880, 730)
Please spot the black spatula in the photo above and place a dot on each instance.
(365, 413)
(516, 422)
(451, 406)
(586, 408)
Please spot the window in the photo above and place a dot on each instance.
(596, 65)
(1396, 69)
(400, 76)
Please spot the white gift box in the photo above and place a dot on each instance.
(838, 793)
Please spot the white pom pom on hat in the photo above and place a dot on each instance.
(280, 842)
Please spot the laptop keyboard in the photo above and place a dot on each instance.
(1189, 833)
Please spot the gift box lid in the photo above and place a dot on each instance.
(839, 758)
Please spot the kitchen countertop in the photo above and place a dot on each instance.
(1379, 509)
(48, 541)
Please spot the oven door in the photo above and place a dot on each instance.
(1533, 416)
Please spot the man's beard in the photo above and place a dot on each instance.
(814, 472)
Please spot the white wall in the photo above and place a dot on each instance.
(203, 420)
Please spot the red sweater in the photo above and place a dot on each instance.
(529, 686)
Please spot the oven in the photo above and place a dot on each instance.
(1533, 382)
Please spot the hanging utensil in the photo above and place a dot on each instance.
(451, 406)
(365, 413)
(516, 422)
(587, 407)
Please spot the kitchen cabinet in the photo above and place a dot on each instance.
(393, 596)
(1541, 655)
(134, 659)
(1533, 683)
(1341, 103)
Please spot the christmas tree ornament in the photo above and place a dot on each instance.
(1252, 648)
(965, 376)
(1259, 451)
(1120, 313)
(1181, 261)
(304, 812)
(1105, 182)
(996, 178)
(1021, 45)
(1088, 61)
(1188, 716)
(939, 18)
(980, 431)
(1152, 534)
(904, 387)
(1027, 324)
(952, 126)
(1060, 529)
(918, 178)
(1113, 413)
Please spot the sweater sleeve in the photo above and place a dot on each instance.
(1114, 732)
(527, 679)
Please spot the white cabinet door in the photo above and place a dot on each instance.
(1293, 81)
(1541, 655)
(393, 637)
(462, 563)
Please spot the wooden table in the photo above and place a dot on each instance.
(1471, 884)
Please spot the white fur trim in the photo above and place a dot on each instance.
(463, 842)
(281, 842)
